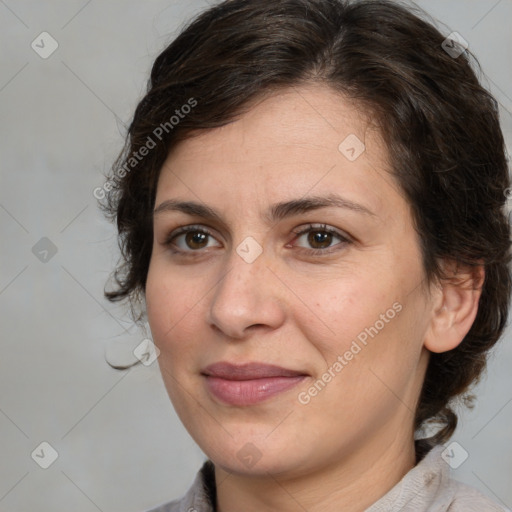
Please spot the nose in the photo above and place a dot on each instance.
(247, 297)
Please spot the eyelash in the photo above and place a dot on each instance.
(169, 241)
(322, 228)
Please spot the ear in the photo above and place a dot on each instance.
(454, 306)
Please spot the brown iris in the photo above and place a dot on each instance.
(193, 239)
(320, 236)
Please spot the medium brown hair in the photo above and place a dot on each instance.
(441, 128)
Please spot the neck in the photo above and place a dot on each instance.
(354, 482)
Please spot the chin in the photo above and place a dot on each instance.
(254, 453)
(249, 460)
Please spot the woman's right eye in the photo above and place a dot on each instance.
(188, 239)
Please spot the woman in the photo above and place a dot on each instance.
(310, 208)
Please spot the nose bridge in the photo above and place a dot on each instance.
(246, 294)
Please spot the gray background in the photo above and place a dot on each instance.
(120, 445)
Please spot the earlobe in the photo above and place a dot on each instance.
(455, 307)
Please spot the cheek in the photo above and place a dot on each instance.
(175, 310)
(371, 317)
(164, 306)
(342, 309)
(158, 304)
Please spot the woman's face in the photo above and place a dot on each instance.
(333, 295)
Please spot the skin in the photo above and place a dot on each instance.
(353, 441)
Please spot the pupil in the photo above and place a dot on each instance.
(319, 237)
(194, 239)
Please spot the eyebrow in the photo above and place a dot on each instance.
(276, 212)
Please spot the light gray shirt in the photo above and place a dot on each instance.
(428, 487)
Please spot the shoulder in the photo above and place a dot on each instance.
(469, 499)
(429, 487)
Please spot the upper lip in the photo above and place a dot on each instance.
(248, 371)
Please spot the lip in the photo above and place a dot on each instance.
(249, 383)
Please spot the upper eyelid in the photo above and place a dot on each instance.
(183, 230)
(297, 232)
(320, 226)
(344, 237)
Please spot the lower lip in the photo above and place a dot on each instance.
(248, 392)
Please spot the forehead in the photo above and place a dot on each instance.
(299, 140)
(312, 116)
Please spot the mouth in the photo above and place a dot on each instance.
(250, 383)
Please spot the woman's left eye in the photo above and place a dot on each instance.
(320, 237)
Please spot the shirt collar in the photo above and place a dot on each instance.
(421, 487)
